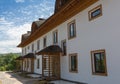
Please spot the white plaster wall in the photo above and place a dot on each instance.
(36, 70)
(101, 33)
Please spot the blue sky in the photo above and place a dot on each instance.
(16, 17)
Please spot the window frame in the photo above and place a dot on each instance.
(38, 63)
(64, 54)
(25, 50)
(44, 42)
(55, 39)
(70, 55)
(74, 31)
(38, 44)
(32, 47)
(94, 72)
(93, 10)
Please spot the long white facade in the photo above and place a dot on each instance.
(100, 33)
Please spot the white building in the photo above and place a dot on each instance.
(88, 33)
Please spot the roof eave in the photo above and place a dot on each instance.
(78, 4)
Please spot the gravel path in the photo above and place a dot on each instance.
(12, 78)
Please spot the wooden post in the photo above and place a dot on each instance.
(49, 65)
(42, 65)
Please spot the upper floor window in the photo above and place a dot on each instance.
(22, 51)
(73, 62)
(25, 51)
(44, 41)
(96, 12)
(71, 30)
(38, 44)
(99, 62)
(32, 47)
(64, 46)
(28, 47)
(55, 37)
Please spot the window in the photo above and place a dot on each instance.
(32, 47)
(73, 63)
(38, 44)
(22, 51)
(44, 42)
(27, 63)
(64, 50)
(25, 50)
(28, 47)
(55, 37)
(96, 12)
(38, 61)
(71, 30)
(98, 58)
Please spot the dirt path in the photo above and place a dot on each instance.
(12, 78)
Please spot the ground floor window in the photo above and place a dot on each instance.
(98, 58)
(64, 47)
(38, 62)
(73, 62)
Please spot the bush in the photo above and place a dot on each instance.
(2, 68)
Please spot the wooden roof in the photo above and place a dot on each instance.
(29, 55)
(53, 49)
(19, 58)
(67, 11)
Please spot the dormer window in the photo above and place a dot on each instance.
(59, 4)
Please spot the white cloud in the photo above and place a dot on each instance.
(20, 22)
(14, 34)
(4, 22)
(16, 31)
(19, 1)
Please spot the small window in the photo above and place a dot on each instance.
(96, 12)
(64, 46)
(25, 51)
(38, 44)
(33, 47)
(73, 63)
(55, 37)
(98, 58)
(44, 42)
(27, 63)
(22, 51)
(38, 62)
(28, 48)
(71, 30)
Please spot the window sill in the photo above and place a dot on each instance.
(71, 38)
(100, 74)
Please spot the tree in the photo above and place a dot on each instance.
(7, 61)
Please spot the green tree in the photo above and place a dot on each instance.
(7, 61)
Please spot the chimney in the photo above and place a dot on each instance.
(41, 19)
(28, 32)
